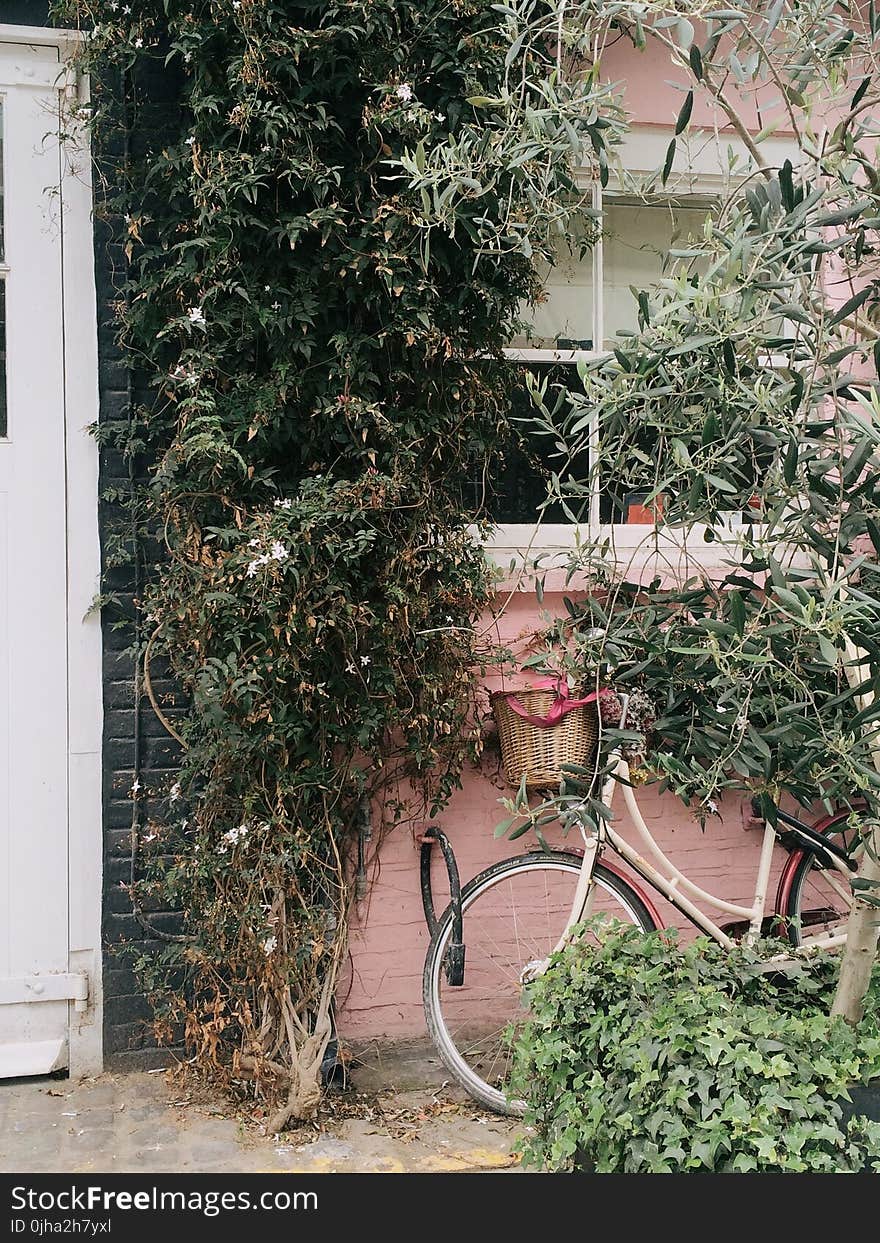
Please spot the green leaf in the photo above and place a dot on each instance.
(852, 304)
(860, 92)
(667, 164)
(873, 533)
(696, 62)
(789, 469)
(797, 391)
(685, 115)
(843, 214)
(828, 650)
(786, 185)
(773, 17)
(728, 355)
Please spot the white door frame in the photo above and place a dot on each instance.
(84, 648)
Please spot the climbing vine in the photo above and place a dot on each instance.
(323, 391)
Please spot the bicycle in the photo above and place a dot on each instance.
(500, 930)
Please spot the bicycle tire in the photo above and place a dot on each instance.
(808, 896)
(614, 891)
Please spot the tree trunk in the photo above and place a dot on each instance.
(862, 934)
(863, 928)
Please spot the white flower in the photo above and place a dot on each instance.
(276, 306)
(349, 668)
(232, 836)
(712, 807)
(189, 141)
(365, 660)
(139, 43)
(404, 92)
(174, 792)
(278, 552)
(285, 504)
(196, 315)
(270, 945)
(253, 543)
(135, 786)
(149, 837)
(267, 288)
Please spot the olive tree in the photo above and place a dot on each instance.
(744, 408)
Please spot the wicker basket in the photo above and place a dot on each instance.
(539, 751)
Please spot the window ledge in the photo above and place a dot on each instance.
(522, 551)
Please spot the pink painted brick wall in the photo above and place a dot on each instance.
(389, 937)
(381, 996)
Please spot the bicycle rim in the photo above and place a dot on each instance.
(820, 898)
(513, 913)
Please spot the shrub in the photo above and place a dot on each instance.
(642, 1056)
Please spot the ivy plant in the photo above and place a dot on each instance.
(641, 1056)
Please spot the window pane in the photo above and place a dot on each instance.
(637, 239)
(512, 487)
(564, 319)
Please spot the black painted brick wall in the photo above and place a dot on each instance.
(24, 12)
(135, 741)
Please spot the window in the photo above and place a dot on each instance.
(588, 300)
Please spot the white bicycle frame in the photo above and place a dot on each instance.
(672, 883)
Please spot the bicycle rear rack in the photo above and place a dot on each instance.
(455, 953)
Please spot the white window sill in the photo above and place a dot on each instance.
(525, 550)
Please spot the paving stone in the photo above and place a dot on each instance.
(136, 1123)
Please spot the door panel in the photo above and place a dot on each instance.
(33, 588)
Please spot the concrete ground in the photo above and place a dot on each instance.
(162, 1122)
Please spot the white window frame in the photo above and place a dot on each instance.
(706, 157)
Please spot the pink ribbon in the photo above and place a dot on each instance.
(562, 705)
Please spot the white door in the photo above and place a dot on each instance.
(35, 986)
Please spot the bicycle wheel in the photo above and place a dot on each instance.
(819, 897)
(513, 913)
